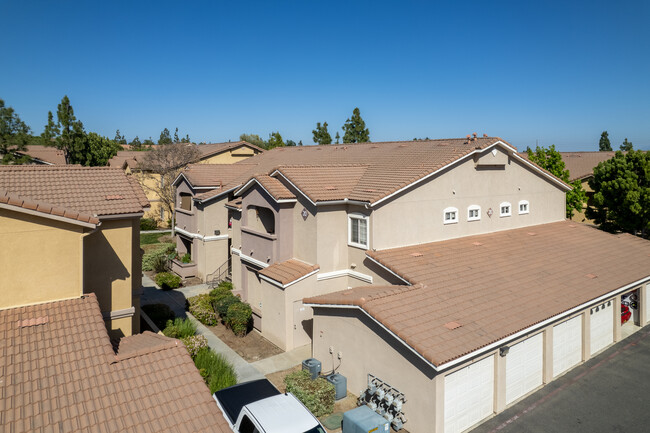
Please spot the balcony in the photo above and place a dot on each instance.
(258, 245)
(185, 220)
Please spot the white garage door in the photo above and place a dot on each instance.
(567, 345)
(524, 364)
(469, 395)
(602, 326)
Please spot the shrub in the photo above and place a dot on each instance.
(317, 395)
(221, 305)
(218, 292)
(216, 371)
(151, 257)
(239, 317)
(148, 224)
(225, 285)
(201, 308)
(186, 258)
(194, 344)
(159, 314)
(167, 280)
(179, 328)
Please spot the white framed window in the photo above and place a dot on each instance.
(474, 213)
(505, 209)
(450, 215)
(524, 207)
(358, 231)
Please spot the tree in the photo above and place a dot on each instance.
(551, 160)
(148, 142)
(338, 137)
(99, 149)
(176, 139)
(72, 137)
(162, 164)
(275, 140)
(14, 134)
(604, 144)
(136, 144)
(291, 143)
(253, 139)
(627, 145)
(119, 139)
(300, 143)
(355, 129)
(186, 139)
(51, 130)
(165, 137)
(321, 135)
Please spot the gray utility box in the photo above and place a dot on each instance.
(340, 384)
(313, 366)
(363, 420)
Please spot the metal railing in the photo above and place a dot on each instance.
(222, 273)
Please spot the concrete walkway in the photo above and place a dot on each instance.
(175, 299)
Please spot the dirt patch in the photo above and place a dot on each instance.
(165, 239)
(277, 378)
(252, 347)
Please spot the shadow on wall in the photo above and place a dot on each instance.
(102, 267)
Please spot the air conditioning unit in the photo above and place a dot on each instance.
(364, 420)
(313, 366)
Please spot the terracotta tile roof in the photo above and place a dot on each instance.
(497, 284)
(95, 191)
(59, 373)
(128, 157)
(288, 271)
(211, 149)
(215, 175)
(46, 154)
(236, 203)
(369, 171)
(274, 187)
(582, 164)
(45, 208)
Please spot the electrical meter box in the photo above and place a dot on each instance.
(364, 420)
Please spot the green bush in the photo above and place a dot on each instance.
(216, 371)
(219, 292)
(194, 344)
(148, 224)
(225, 285)
(159, 314)
(186, 258)
(201, 307)
(167, 280)
(239, 318)
(317, 395)
(152, 258)
(222, 304)
(179, 328)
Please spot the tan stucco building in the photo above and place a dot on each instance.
(70, 230)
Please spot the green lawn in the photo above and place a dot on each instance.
(150, 238)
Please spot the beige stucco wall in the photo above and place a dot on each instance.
(231, 156)
(41, 259)
(367, 348)
(416, 216)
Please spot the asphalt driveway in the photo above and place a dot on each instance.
(608, 393)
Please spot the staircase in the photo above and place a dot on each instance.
(223, 273)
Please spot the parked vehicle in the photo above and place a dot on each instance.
(257, 406)
(625, 314)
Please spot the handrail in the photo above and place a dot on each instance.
(219, 275)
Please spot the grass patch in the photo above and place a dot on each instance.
(179, 328)
(215, 370)
(150, 238)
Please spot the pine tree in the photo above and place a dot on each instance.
(119, 139)
(136, 144)
(627, 146)
(176, 139)
(275, 140)
(338, 137)
(72, 137)
(14, 134)
(51, 131)
(321, 135)
(165, 137)
(186, 139)
(355, 129)
(604, 144)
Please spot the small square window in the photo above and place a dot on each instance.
(504, 209)
(450, 215)
(523, 207)
(358, 231)
(473, 213)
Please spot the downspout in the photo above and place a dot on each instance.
(81, 259)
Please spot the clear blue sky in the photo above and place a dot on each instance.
(557, 72)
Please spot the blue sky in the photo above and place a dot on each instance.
(548, 72)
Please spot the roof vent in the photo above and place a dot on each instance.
(532, 234)
(417, 254)
(452, 325)
(25, 323)
(478, 244)
(592, 276)
(485, 135)
(330, 188)
(374, 147)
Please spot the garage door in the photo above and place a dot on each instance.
(469, 395)
(524, 364)
(602, 326)
(567, 345)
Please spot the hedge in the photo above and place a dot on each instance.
(215, 370)
(317, 395)
(201, 308)
(239, 317)
(179, 328)
(167, 280)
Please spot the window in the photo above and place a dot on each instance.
(246, 425)
(504, 209)
(473, 213)
(523, 207)
(450, 215)
(358, 230)
(186, 201)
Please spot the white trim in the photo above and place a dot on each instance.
(384, 267)
(247, 185)
(284, 286)
(251, 260)
(118, 314)
(47, 215)
(450, 210)
(235, 251)
(292, 184)
(215, 196)
(345, 273)
(524, 202)
(120, 216)
(471, 208)
(232, 208)
(199, 236)
(501, 206)
(361, 217)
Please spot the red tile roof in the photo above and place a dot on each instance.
(495, 285)
(96, 191)
(47, 154)
(288, 271)
(582, 164)
(47, 209)
(59, 372)
(128, 157)
(274, 187)
(214, 175)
